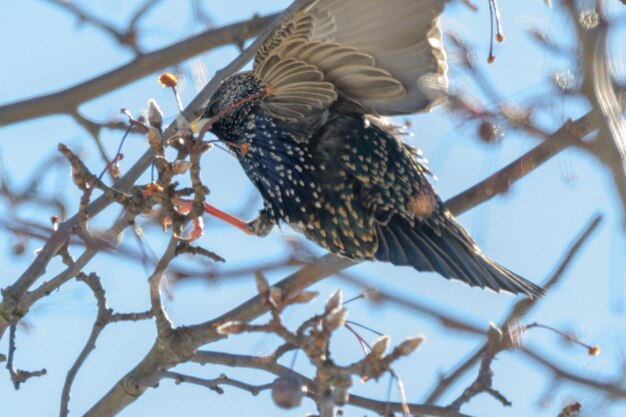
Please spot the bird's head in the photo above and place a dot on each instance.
(231, 105)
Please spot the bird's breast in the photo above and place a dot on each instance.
(285, 173)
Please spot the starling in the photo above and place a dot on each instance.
(306, 124)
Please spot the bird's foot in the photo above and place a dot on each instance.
(261, 226)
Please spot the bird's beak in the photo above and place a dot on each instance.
(198, 124)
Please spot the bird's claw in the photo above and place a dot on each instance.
(261, 226)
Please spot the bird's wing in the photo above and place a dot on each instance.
(298, 26)
(387, 56)
(297, 88)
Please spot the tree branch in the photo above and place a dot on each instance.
(66, 101)
(269, 364)
(500, 182)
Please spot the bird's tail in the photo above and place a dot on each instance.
(448, 250)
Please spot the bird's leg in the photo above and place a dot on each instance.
(225, 217)
(184, 207)
(262, 225)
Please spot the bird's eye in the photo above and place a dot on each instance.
(212, 110)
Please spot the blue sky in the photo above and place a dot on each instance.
(526, 230)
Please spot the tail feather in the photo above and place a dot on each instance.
(448, 251)
(433, 255)
(449, 255)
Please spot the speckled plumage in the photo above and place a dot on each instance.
(339, 176)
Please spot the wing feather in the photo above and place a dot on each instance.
(404, 38)
(385, 55)
(297, 87)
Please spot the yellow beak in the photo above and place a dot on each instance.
(198, 124)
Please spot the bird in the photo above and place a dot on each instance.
(308, 124)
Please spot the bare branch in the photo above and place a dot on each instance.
(501, 181)
(497, 341)
(268, 364)
(67, 100)
(164, 326)
(214, 384)
(18, 376)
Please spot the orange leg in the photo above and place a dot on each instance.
(184, 206)
(225, 217)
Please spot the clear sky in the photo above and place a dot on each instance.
(43, 50)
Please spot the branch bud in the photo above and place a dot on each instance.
(334, 302)
(276, 296)
(155, 115)
(154, 139)
(380, 346)
(335, 319)
(410, 345)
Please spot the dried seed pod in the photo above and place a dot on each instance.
(341, 386)
(184, 128)
(182, 123)
(115, 171)
(19, 248)
(287, 391)
(341, 396)
(489, 132)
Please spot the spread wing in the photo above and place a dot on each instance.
(385, 55)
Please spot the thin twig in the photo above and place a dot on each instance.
(18, 376)
(104, 317)
(497, 341)
(215, 384)
(597, 383)
(93, 281)
(164, 325)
